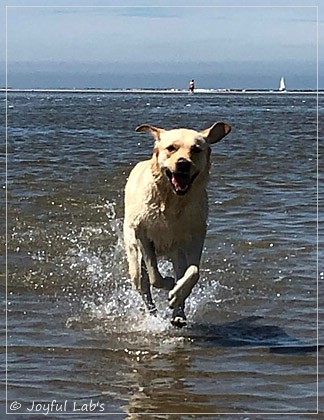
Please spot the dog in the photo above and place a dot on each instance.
(166, 209)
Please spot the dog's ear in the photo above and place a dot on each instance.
(154, 130)
(216, 132)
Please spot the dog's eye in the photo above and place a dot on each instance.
(171, 148)
(196, 149)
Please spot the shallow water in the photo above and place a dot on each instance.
(77, 335)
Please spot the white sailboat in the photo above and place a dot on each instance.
(282, 86)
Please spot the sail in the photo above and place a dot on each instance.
(282, 86)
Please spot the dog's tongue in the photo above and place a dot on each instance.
(180, 181)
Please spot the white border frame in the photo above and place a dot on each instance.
(8, 412)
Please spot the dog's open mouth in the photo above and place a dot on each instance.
(181, 181)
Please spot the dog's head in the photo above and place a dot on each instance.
(183, 154)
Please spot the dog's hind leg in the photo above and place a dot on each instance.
(137, 270)
(139, 277)
(145, 289)
(134, 259)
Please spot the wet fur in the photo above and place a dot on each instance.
(167, 217)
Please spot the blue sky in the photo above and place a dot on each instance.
(221, 47)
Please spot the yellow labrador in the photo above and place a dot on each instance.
(166, 211)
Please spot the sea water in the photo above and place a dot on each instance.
(77, 331)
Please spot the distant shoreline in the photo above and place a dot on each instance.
(162, 91)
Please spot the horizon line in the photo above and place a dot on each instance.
(159, 90)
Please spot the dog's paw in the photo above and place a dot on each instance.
(152, 310)
(179, 319)
(178, 322)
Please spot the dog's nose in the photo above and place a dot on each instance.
(183, 165)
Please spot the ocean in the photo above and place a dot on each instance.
(79, 344)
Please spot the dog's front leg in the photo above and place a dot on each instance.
(183, 287)
(149, 257)
(137, 268)
(179, 294)
(186, 266)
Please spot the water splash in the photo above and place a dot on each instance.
(107, 298)
(111, 301)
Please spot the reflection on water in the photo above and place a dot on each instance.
(77, 331)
